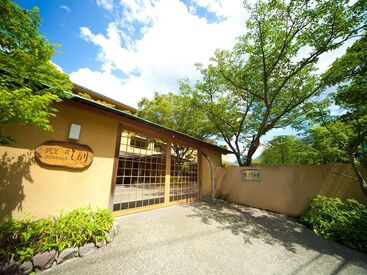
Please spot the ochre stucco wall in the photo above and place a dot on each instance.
(287, 190)
(216, 158)
(26, 187)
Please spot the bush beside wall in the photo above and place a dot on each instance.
(20, 240)
(341, 221)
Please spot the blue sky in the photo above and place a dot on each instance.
(129, 49)
(61, 22)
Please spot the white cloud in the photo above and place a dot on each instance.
(154, 43)
(171, 40)
(328, 58)
(106, 4)
(105, 83)
(139, 10)
(221, 7)
(336, 110)
(57, 66)
(259, 151)
(66, 8)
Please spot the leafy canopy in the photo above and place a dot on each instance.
(349, 75)
(314, 149)
(348, 131)
(328, 151)
(29, 82)
(268, 77)
(288, 150)
(176, 112)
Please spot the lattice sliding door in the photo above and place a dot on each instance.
(140, 179)
(152, 173)
(184, 183)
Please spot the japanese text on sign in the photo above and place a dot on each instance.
(250, 174)
(54, 153)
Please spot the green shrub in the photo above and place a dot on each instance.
(21, 239)
(345, 222)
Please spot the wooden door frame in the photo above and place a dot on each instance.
(167, 179)
(169, 140)
(115, 165)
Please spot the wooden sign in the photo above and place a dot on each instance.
(250, 174)
(64, 154)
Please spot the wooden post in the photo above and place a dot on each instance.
(115, 165)
(168, 172)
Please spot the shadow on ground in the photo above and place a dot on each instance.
(271, 228)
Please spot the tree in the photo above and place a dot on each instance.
(349, 130)
(288, 150)
(327, 150)
(176, 112)
(29, 82)
(314, 149)
(264, 82)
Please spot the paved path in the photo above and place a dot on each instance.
(219, 238)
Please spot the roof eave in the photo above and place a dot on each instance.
(106, 98)
(138, 119)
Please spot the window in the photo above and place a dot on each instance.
(158, 147)
(139, 142)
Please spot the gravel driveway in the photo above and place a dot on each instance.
(220, 238)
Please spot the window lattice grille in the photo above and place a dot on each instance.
(141, 173)
(184, 173)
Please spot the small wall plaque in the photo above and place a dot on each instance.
(250, 174)
(64, 154)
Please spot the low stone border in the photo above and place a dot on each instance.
(44, 261)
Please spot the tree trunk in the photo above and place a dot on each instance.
(361, 180)
(283, 159)
(251, 151)
(239, 159)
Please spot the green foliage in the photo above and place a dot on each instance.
(177, 112)
(29, 82)
(345, 222)
(349, 75)
(288, 150)
(21, 239)
(328, 151)
(85, 95)
(346, 131)
(317, 148)
(265, 81)
(81, 226)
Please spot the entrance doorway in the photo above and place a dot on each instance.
(153, 173)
